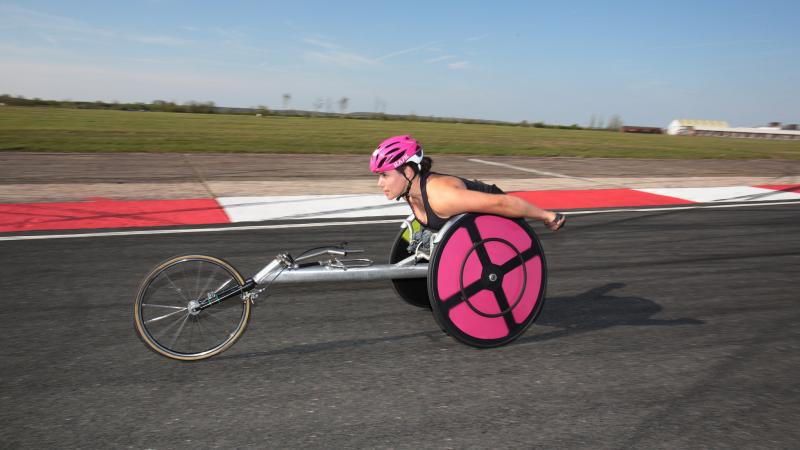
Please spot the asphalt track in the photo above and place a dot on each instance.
(667, 329)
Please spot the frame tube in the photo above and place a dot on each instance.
(376, 272)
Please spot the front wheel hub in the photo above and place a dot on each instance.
(193, 307)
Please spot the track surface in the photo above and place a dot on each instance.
(54, 177)
(677, 329)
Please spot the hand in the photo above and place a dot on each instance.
(556, 223)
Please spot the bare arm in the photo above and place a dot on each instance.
(449, 197)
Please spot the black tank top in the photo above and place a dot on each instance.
(435, 222)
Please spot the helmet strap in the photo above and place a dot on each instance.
(405, 194)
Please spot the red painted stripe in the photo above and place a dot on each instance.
(102, 213)
(782, 187)
(596, 198)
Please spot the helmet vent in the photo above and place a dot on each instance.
(395, 157)
(394, 150)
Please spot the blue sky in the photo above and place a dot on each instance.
(648, 62)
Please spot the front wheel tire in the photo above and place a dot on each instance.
(164, 313)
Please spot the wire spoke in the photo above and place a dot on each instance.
(218, 312)
(197, 290)
(155, 319)
(224, 285)
(224, 332)
(174, 286)
(164, 330)
(224, 325)
(209, 279)
(187, 279)
(177, 333)
(182, 308)
(205, 336)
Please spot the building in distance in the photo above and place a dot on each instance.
(638, 129)
(720, 128)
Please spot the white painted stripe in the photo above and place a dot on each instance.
(673, 208)
(398, 221)
(525, 169)
(250, 209)
(724, 194)
(360, 222)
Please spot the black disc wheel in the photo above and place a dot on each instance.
(413, 290)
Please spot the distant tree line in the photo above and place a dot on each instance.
(614, 123)
(263, 110)
(156, 105)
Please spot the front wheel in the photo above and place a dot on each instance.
(166, 314)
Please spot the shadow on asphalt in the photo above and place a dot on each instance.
(596, 309)
(333, 345)
(592, 310)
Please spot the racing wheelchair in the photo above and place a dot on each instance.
(483, 277)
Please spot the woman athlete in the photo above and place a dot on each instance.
(404, 173)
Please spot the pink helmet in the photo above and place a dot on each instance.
(394, 152)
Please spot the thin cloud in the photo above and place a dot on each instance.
(87, 81)
(289, 23)
(336, 54)
(156, 61)
(158, 40)
(477, 38)
(232, 36)
(26, 51)
(14, 16)
(52, 25)
(49, 39)
(404, 51)
(440, 58)
(460, 65)
(332, 53)
(339, 58)
(320, 43)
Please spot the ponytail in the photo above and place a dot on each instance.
(425, 165)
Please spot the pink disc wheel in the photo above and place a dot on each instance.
(487, 279)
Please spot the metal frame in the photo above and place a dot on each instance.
(285, 269)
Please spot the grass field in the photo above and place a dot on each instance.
(72, 130)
